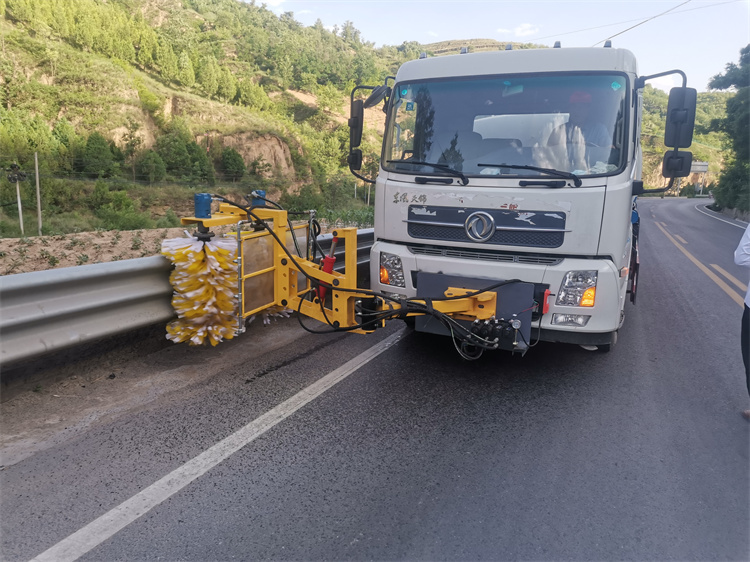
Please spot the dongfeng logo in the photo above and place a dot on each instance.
(480, 226)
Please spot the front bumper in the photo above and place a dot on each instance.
(605, 315)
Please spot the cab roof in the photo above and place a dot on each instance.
(520, 61)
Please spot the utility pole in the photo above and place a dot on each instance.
(16, 175)
(38, 193)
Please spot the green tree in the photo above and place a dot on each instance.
(227, 85)
(172, 148)
(208, 76)
(147, 46)
(167, 61)
(329, 98)
(97, 157)
(186, 74)
(69, 145)
(732, 190)
(285, 71)
(100, 196)
(132, 141)
(252, 95)
(52, 55)
(85, 29)
(201, 169)
(151, 167)
(232, 164)
(21, 10)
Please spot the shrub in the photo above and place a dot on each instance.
(169, 220)
(232, 164)
(151, 167)
(307, 198)
(97, 157)
(688, 191)
(126, 219)
(120, 213)
(100, 196)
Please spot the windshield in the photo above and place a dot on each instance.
(567, 123)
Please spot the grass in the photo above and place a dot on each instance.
(148, 211)
(52, 260)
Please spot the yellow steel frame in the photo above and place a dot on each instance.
(288, 293)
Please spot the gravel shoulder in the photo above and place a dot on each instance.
(75, 396)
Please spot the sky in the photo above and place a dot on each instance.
(699, 37)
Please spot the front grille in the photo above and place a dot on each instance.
(512, 227)
(501, 237)
(443, 252)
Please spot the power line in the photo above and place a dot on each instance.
(641, 23)
(556, 35)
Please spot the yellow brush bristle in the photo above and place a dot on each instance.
(204, 282)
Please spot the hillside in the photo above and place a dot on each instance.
(132, 105)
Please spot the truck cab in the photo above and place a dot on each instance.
(516, 170)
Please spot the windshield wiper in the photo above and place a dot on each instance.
(442, 167)
(550, 171)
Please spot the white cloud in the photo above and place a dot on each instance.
(432, 34)
(273, 3)
(525, 29)
(666, 83)
(502, 30)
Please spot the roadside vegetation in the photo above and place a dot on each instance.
(733, 188)
(133, 106)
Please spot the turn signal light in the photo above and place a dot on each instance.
(589, 295)
(384, 276)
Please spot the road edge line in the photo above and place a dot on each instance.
(107, 525)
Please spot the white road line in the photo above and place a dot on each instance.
(718, 219)
(101, 529)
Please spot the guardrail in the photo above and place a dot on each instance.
(47, 311)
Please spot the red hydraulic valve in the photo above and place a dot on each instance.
(327, 266)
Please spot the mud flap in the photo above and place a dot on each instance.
(635, 264)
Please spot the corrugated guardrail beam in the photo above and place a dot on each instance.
(46, 311)
(50, 310)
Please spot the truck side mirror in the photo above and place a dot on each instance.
(354, 159)
(377, 95)
(677, 164)
(356, 123)
(678, 131)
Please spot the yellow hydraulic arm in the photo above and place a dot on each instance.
(269, 274)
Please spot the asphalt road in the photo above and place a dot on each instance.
(409, 452)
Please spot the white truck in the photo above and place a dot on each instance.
(516, 171)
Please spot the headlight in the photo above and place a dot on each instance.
(570, 319)
(578, 288)
(391, 270)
